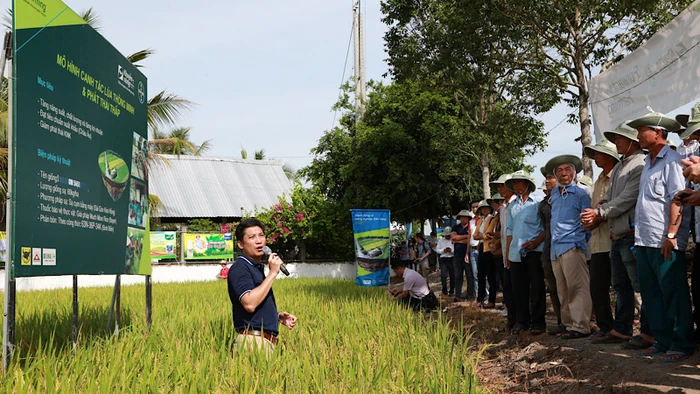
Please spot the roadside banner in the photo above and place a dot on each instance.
(80, 143)
(372, 240)
(163, 244)
(211, 246)
(661, 74)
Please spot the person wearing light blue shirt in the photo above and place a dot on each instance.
(525, 237)
(661, 235)
(569, 249)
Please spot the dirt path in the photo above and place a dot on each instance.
(547, 364)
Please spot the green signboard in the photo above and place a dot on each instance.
(80, 180)
(163, 244)
(214, 246)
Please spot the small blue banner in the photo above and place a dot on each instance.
(372, 246)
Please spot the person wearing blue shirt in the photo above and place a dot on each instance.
(525, 235)
(569, 249)
(255, 316)
(661, 235)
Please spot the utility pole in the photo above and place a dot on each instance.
(360, 80)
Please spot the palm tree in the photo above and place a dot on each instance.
(176, 142)
(260, 155)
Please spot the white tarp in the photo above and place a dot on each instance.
(664, 74)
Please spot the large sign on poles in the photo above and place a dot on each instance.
(80, 180)
(372, 240)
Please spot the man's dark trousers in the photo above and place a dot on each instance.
(600, 290)
(527, 279)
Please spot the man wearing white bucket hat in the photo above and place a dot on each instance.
(661, 234)
(604, 153)
(524, 252)
(570, 246)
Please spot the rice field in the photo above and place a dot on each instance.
(348, 340)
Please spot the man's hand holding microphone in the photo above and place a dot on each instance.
(274, 262)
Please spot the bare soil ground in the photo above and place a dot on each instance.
(548, 364)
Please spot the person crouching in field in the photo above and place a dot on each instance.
(255, 316)
(415, 294)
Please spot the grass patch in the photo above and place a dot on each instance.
(348, 339)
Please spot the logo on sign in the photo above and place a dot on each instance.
(49, 256)
(126, 80)
(36, 256)
(26, 256)
(142, 92)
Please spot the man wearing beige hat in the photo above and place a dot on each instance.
(604, 153)
(662, 228)
(619, 211)
(504, 272)
(524, 252)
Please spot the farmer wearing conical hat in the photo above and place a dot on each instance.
(604, 153)
(662, 229)
(570, 250)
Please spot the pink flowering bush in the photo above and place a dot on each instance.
(288, 223)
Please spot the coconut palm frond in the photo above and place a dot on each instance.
(137, 57)
(90, 17)
(260, 154)
(289, 172)
(7, 19)
(203, 148)
(155, 204)
(165, 108)
(244, 153)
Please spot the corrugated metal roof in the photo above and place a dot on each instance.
(200, 186)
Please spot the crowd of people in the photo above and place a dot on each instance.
(627, 230)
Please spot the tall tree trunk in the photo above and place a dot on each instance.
(585, 122)
(485, 174)
(583, 114)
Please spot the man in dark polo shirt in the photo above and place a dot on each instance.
(255, 316)
(460, 238)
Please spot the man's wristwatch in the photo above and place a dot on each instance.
(671, 235)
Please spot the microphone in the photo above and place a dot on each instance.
(268, 251)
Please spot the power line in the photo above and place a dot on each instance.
(345, 67)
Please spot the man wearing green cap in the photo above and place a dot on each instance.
(604, 153)
(661, 235)
(619, 211)
(570, 246)
(524, 252)
(545, 212)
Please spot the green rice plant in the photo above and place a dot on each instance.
(348, 339)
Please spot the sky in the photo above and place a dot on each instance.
(264, 74)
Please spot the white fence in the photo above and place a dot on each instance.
(177, 273)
